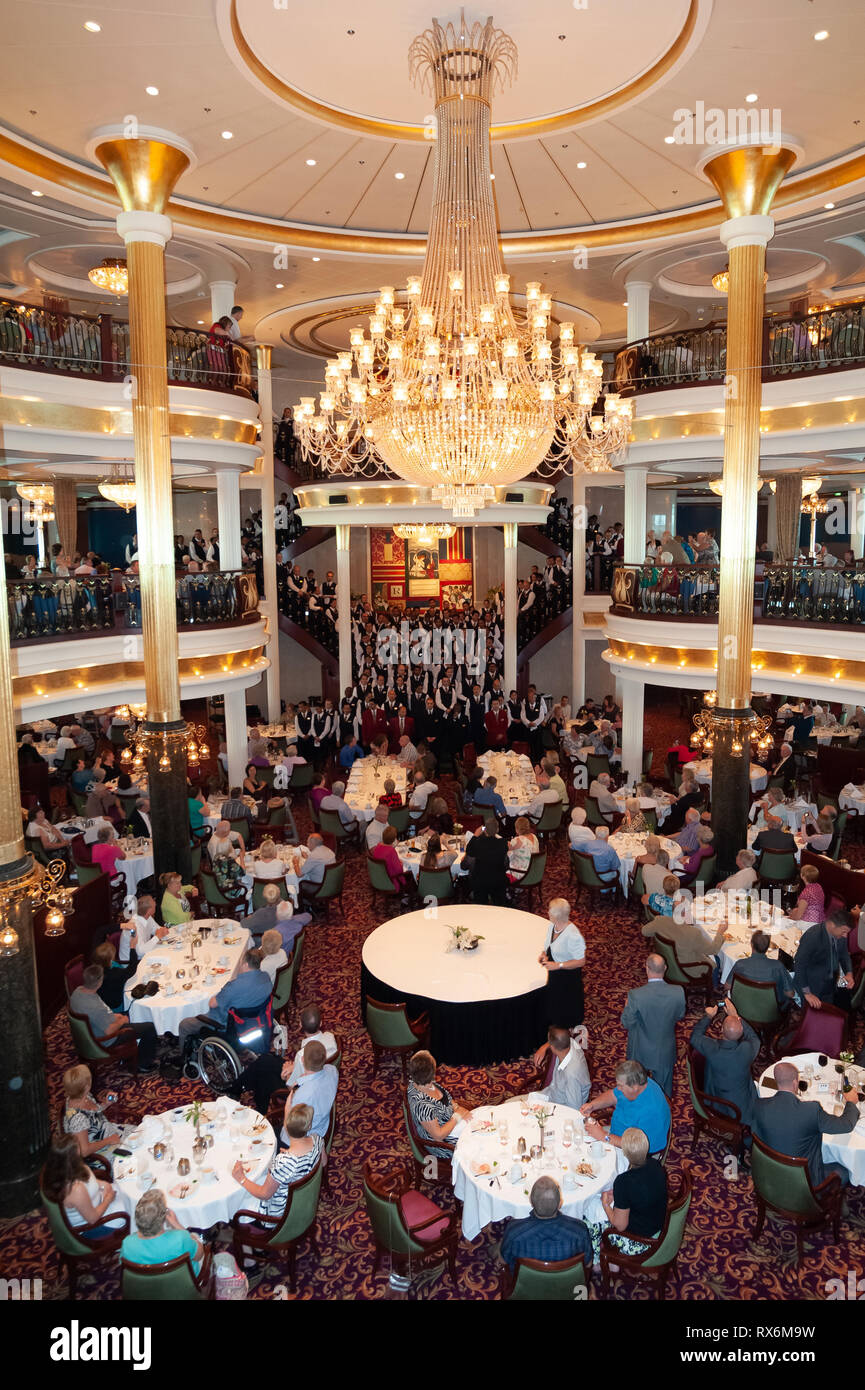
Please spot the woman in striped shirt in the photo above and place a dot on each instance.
(289, 1166)
(432, 1109)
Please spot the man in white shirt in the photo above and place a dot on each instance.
(600, 789)
(421, 794)
(578, 832)
(336, 802)
(236, 315)
(407, 756)
(313, 867)
(310, 1022)
(291, 760)
(745, 875)
(570, 1082)
(772, 804)
(547, 796)
(142, 931)
(376, 828)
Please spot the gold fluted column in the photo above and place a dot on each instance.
(145, 169)
(264, 358)
(747, 179)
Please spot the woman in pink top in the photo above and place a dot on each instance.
(319, 791)
(811, 902)
(387, 854)
(106, 852)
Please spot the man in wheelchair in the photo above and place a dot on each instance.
(240, 1013)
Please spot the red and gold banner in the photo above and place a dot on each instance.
(405, 571)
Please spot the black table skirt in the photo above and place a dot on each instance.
(494, 1030)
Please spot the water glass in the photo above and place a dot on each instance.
(503, 1132)
(524, 1106)
(567, 1134)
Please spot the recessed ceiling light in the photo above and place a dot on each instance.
(821, 34)
(828, 205)
(280, 286)
(399, 176)
(669, 139)
(228, 135)
(152, 91)
(92, 27)
(581, 164)
(752, 96)
(316, 258)
(36, 193)
(492, 176)
(311, 163)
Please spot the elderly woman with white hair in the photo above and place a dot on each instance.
(578, 832)
(273, 955)
(224, 841)
(655, 863)
(634, 822)
(563, 958)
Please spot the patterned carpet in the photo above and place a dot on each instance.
(717, 1260)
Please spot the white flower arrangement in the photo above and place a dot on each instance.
(461, 939)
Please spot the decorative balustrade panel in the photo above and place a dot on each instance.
(782, 593)
(77, 345)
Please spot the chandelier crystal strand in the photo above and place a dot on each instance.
(452, 390)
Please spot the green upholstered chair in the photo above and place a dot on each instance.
(783, 1186)
(346, 835)
(391, 1030)
(407, 1227)
(757, 1002)
(689, 977)
(301, 779)
(636, 887)
(723, 1119)
(274, 825)
(87, 873)
(658, 1256)
(93, 1052)
(596, 763)
(545, 1281)
(435, 883)
(776, 866)
(398, 817)
(594, 814)
(330, 888)
(549, 821)
(259, 885)
(242, 827)
(228, 904)
(531, 880)
(283, 986)
(587, 876)
(380, 880)
(278, 1237)
(71, 1245)
(175, 1281)
(427, 1163)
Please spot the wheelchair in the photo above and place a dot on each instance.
(217, 1055)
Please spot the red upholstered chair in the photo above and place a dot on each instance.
(407, 1226)
(73, 973)
(819, 1030)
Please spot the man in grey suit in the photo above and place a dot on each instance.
(759, 967)
(650, 1017)
(729, 1059)
(796, 1127)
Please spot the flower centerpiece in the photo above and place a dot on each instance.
(461, 939)
(542, 1114)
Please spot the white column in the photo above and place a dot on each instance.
(235, 735)
(638, 292)
(633, 693)
(856, 522)
(268, 605)
(578, 581)
(222, 299)
(510, 581)
(228, 518)
(635, 515)
(343, 604)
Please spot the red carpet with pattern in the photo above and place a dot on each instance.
(717, 1260)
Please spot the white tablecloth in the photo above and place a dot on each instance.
(89, 828)
(291, 857)
(647, 803)
(483, 1203)
(852, 801)
(795, 811)
(703, 773)
(515, 779)
(718, 906)
(630, 847)
(409, 954)
(366, 784)
(411, 858)
(286, 731)
(137, 865)
(49, 752)
(847, 1149)
(162, 963)
(800, 837)
(210, 1199)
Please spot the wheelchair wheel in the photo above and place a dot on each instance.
(218, 1064)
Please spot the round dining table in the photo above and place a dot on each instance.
(732, 908)
(366, 784)
(515, 780)
(493, 1181)
(702, 770)
(173, 963)
(484, 1005)
(630, 847)
(822, 1085)
(208, 1193)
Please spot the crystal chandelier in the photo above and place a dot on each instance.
(111, 274)
(452, 389)
(427, 532)
(120, 486)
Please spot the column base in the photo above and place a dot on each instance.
(731, 796)
(24, 1116)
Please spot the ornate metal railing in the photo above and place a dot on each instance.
(98, 348)
(827, 340)
(782, 593)
(91, 605)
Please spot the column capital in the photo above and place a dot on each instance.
(144, 163)
(263, 356)
(510, 530)
(639, 283)
(144, 226)
(756, 230)
(747, 176)
(343, 536)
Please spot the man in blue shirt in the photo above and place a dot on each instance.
(547, 1234)
(605, 857)
(316, 1087)
(488, 796)
(349, 754)
(639, 1104)
(250, 987)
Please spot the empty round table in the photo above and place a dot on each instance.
(484, 1005)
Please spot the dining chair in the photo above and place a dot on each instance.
(70, 1241)
(173, 1281)
(407, 1227)
(783, 1186)
(545, 1281)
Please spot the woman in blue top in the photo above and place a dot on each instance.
(159, 1235)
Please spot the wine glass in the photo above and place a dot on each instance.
(524, 1106)
(567, 1134)
(823, 1060)
(503, 1133)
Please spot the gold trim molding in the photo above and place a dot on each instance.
(773, 420)
(83, 678)
(514, 130)
(117, 420)
(706, 659)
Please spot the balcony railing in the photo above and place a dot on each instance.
(94, 604)
(782, 593)
(98, 349)
(828, 340)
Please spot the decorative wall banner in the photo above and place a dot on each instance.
(418, 572)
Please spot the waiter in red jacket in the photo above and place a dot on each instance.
(496, 723)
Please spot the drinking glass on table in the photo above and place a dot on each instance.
(503, 1132)
(567, 1134)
